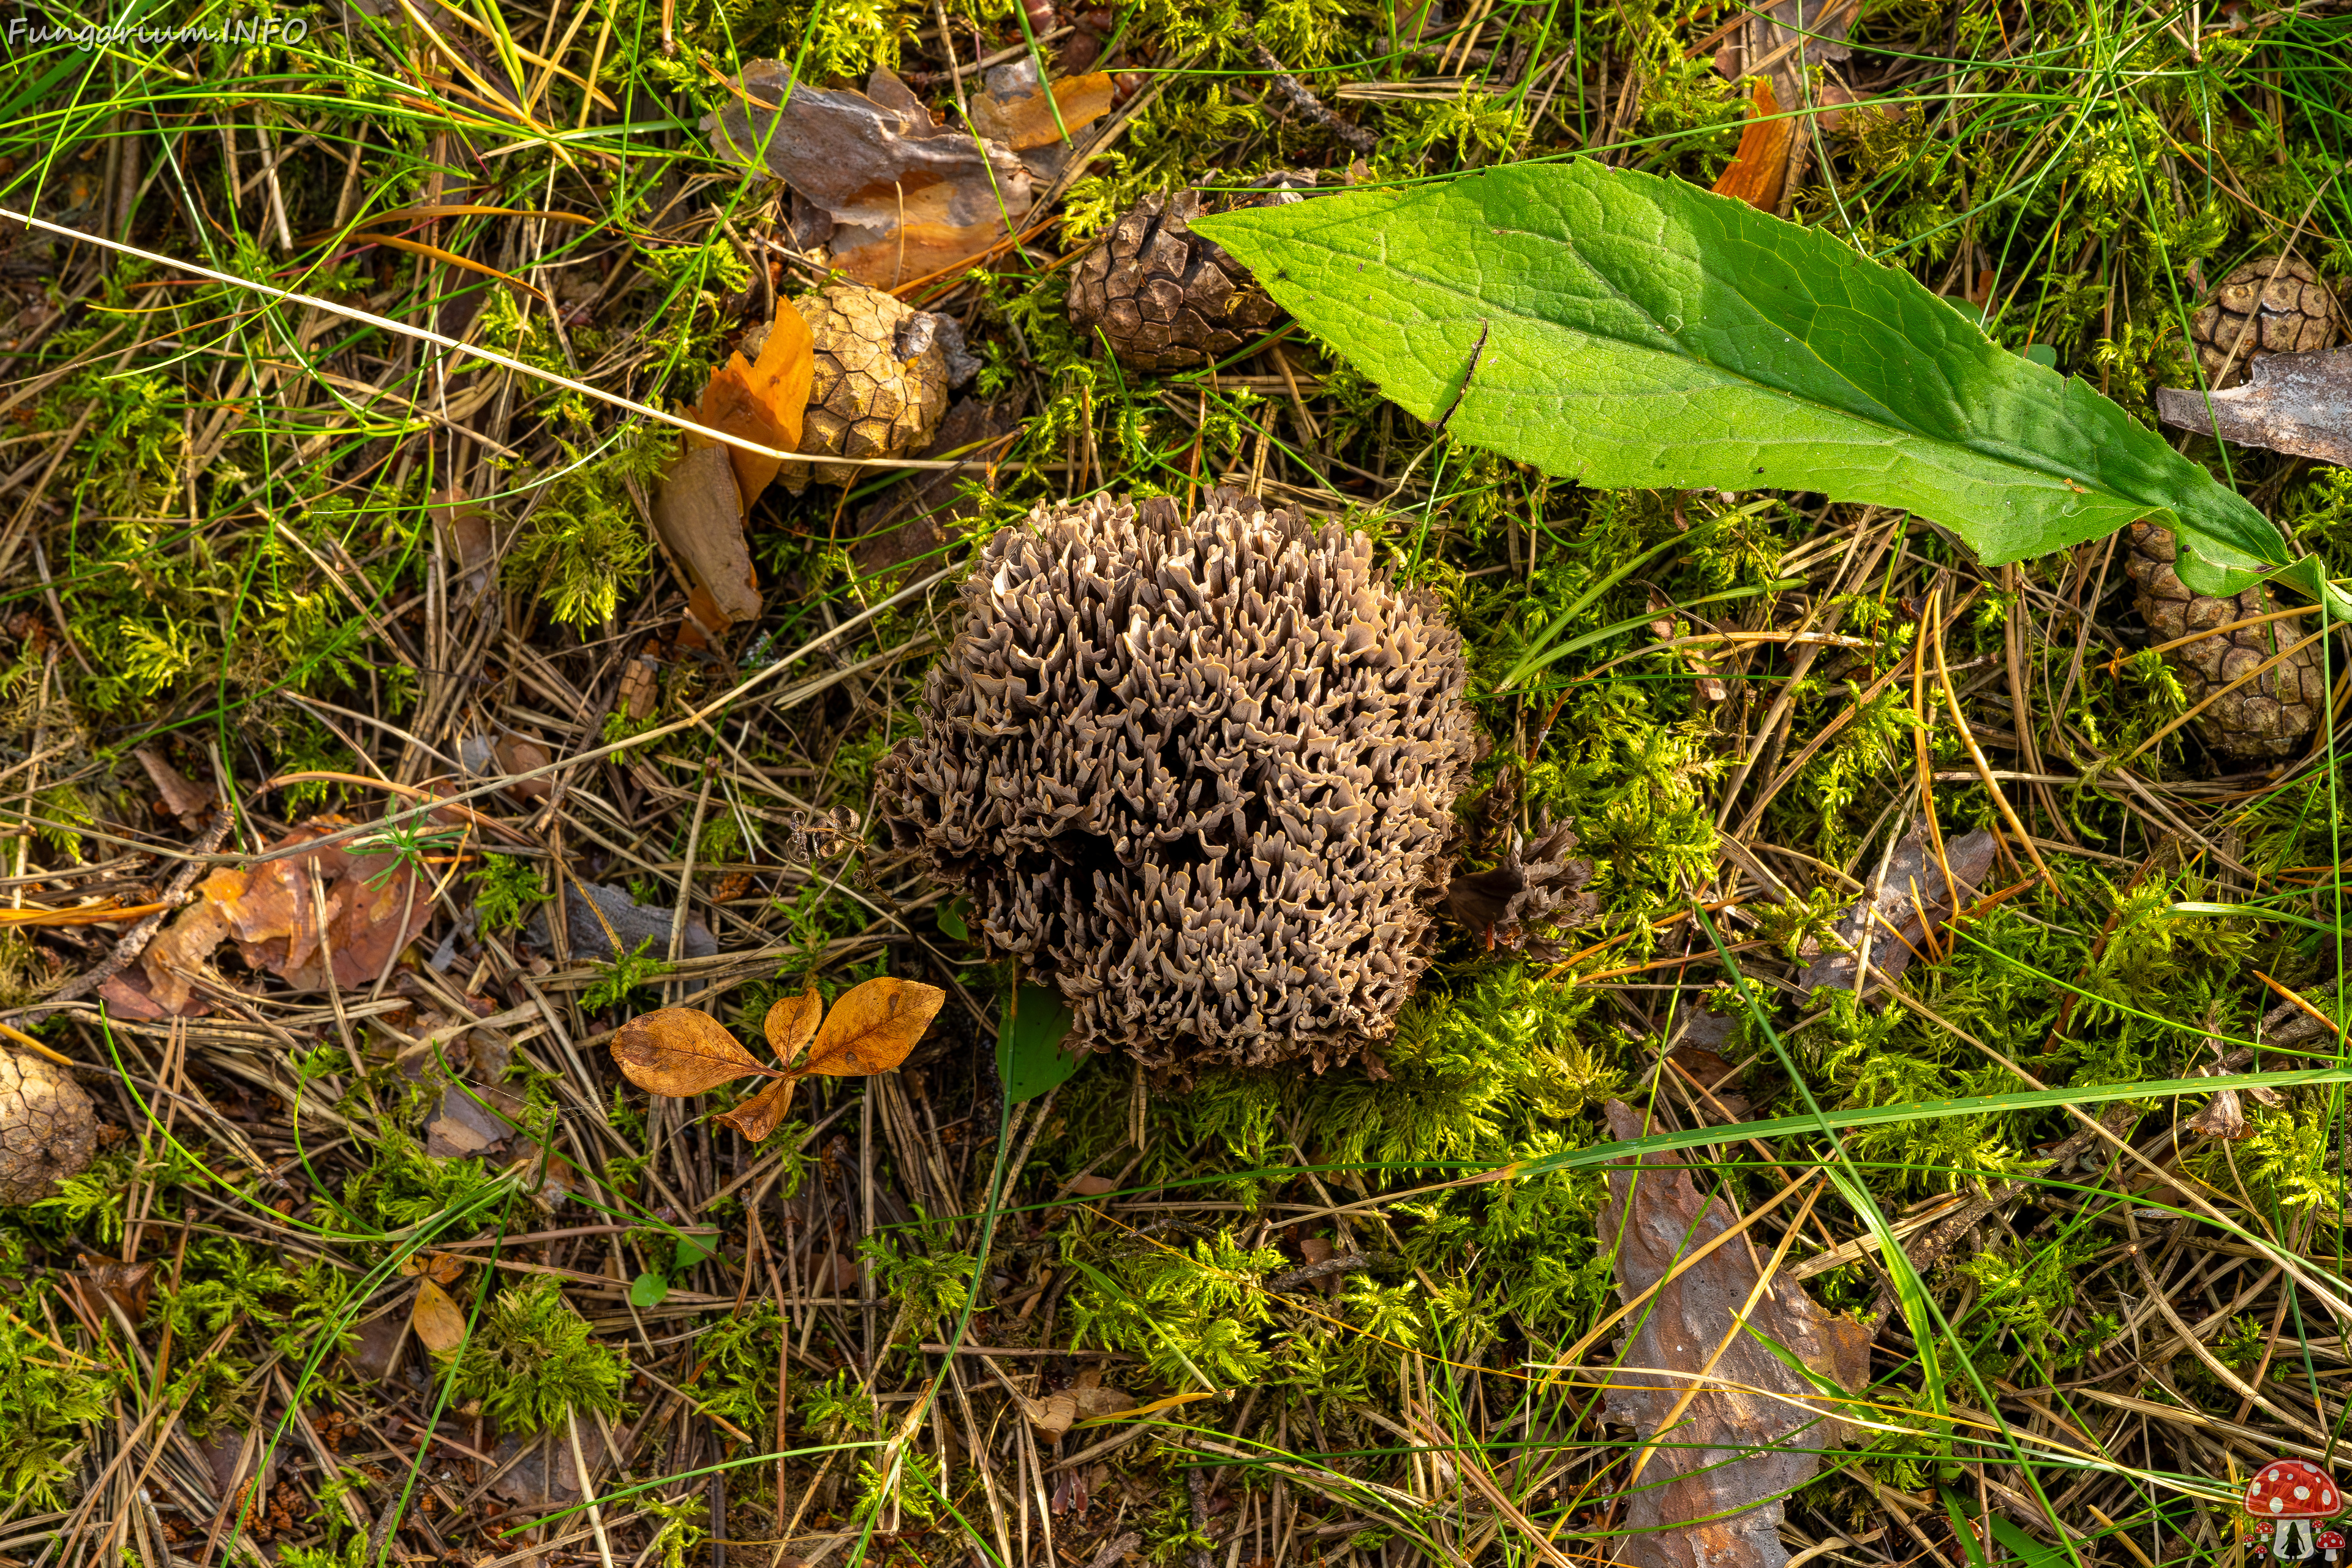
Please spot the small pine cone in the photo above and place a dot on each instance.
(881, 382)
(2290, 313)
(48, 1131)
(2268, 716)
(1165, 298)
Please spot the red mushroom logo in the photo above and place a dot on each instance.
(2331, 1542)
(2293, 1494)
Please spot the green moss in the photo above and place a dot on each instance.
(532, 1359)
(49, 1398)
(584, 545)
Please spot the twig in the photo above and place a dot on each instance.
(1294, 93)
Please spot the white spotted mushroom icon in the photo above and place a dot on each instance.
(2331, 1544)
(2294, 1495)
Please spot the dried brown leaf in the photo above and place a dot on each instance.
(1709, 1497)
(872, 1028)
(791, 1023)
(1051, 1417)
(730, 405)
(128, 1283)
(698, 523)
(762, 1114)
(438, 1322)
(181, 798)
(898, 195)
(1028, 121)
(1913, 898)
(679, 1051)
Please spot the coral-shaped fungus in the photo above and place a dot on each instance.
(1197, 773)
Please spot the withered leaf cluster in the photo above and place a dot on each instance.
(1197, 772)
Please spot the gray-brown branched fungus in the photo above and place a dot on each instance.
(1197, 774)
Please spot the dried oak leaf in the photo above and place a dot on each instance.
(1197, 774)
(904, 198)
(1710, 1495)
(679, 1051)
(1912, 899)
(1535, 892)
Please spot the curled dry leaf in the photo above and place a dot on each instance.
(791, 1023)
(1025, 119)
(679, 1051)
(872, 1028)
(438, 1322)
(763, 1113)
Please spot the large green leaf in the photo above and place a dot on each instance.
(1639, 331)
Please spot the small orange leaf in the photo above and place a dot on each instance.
(791, 1023)
(764, 1113)
(1756, 171)
(729, 404)
(679, 1051)
(872, 1028)
(783, 375)
(438, 1322)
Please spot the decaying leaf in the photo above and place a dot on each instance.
(605, 923)
(697, 516)
(764, 401)
(872, 1028)
(902, 197)
(1025, 119)
(181, 798)
(684, 1050)
(2297, 403)
(1759, 168)
(438, 1322)
(1709, 1495)
(373, 906)
(128, 1283)
(679, 1051)
(2224, 1117)
(791, 1023)
(443, 1268)
(1914, 887)
(762, 1114)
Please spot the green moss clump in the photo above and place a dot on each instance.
(532, 1361)
(49, 1399)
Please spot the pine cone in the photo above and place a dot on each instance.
(881, 382)
(2269, 716)
(1524, 903)
(1165, 298)
(48, 1131)
(2256, 315)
